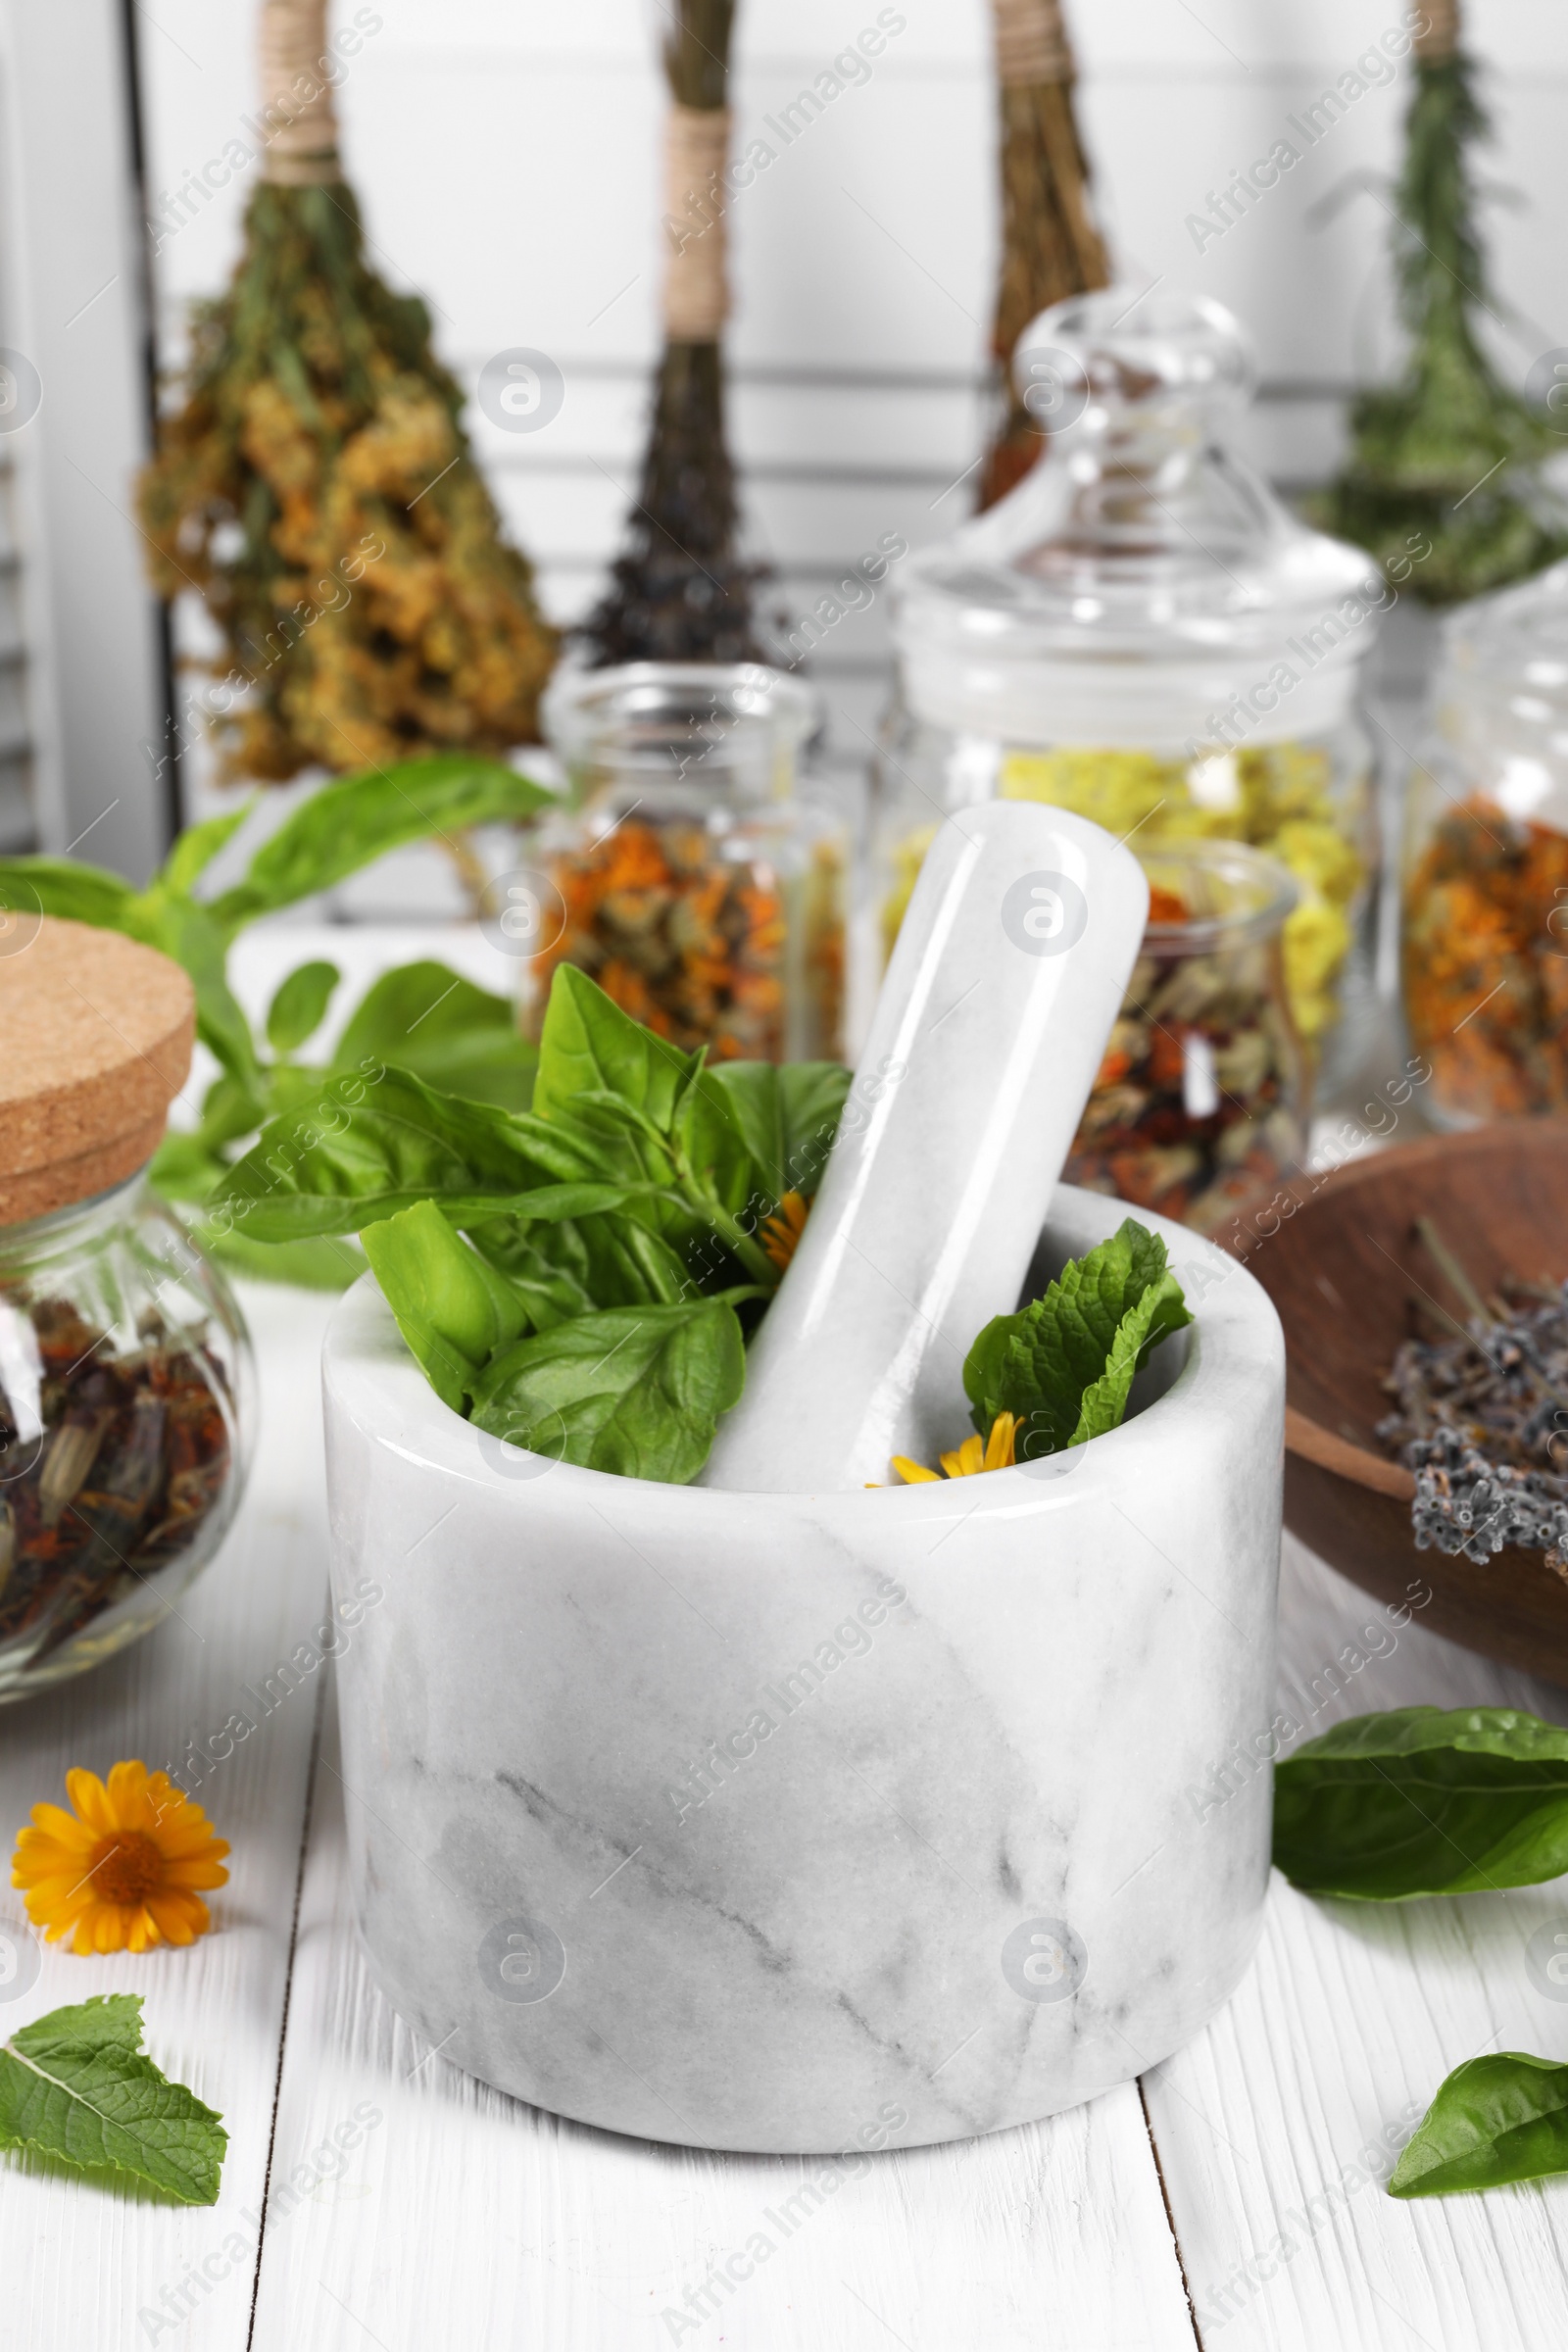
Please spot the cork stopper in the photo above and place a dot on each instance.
(95, 1042)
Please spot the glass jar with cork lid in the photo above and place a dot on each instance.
(125, 1381)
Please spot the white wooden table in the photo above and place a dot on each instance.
(1224, 2199)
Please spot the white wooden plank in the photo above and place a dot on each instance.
(83, 2264)
(466, 2217)
(1268, 2125)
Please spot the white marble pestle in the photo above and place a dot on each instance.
(1009, 969)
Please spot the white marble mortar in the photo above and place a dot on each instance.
(786, 1821)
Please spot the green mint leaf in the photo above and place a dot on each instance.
(299, 1007)
(356, 819)
(1043, 1362)
(1496, 2118)
(1424, 1801)
(426, 1018)
(451, 1304)
(636, 1392)
(77, 2086)
(1141, 1329)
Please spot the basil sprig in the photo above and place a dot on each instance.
(422, 1017)
(572, 1277)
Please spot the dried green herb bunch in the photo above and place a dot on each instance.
(681, 590)
(1447, 454)
(315, 486)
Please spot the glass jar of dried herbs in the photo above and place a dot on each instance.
(693, 870)
(1200, 1106)
(1485, 948)
(124, 1370)
(1141, 633)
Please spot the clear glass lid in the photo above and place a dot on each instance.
(1140, 541)
(1501, 696)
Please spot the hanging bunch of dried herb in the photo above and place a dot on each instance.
(315, 486)
(1446, 454)
(1051, 246)
(682, 591)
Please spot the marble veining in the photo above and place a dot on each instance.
(757, 1820)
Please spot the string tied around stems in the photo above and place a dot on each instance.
(1032, 44)
(297, 104)
(696, 277)
(1439, 38)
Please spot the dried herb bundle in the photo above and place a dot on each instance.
(1446, 453)
(681, 590)
(317, 487)
(1482, 1419)
(1051, 246)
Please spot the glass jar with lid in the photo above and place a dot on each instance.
(125, 1381)
(1140, 632)
(1198, 1111)
(1485, 941)
(691, 870)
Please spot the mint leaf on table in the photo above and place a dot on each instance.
(1064, 1364)
(76, 2084)
(635, 1390)
(1424, 1801)
(1493, 2120)
(426, 1018)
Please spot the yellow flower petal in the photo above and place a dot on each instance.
(121, 1872)
(915, 1474)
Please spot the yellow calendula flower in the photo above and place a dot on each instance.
(780, 1233)
(120, 1872)
(994, 1453)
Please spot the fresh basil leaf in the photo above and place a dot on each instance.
(355, 819)
(363, 1145)
(1496, 2118)
(76, 2084)
(636, 1392)
(1424, 1801)
(188, 932)
(321, 1264)
(1140, 1331)
(545, 1266)
(184, 1169)
(811, 1098)
(299, 1007)
(426, 1018)
(60, 886)
(452, 1307)
(589, 1045)
(1043, 1362)
(196, 848)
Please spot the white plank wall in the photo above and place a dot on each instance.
(506, 155)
